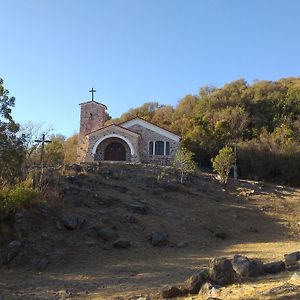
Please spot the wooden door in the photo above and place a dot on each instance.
(115, 152)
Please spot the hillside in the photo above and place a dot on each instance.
(67, 247)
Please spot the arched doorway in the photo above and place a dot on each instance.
(115, 151)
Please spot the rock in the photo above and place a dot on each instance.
(72, 222)
(221, 271)
(181, 244)
(209, 290)
(23, 223)
(137, 208)
(274, 267)
(291, 261)
(77, 168)
(42, 264)
(281, 290)
(172, 292)
(246, 267)
(219, 233)
(107, 234)
(296, 254)
(91, 243)
(159, 238)
(14, 244)
(295, 278)
(121, 189)
(122, 243)
(194, 283)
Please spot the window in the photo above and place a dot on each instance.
(167, 148)
(150, 148)
(159, 148)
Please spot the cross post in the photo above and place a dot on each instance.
(92, 91)
(42, 141)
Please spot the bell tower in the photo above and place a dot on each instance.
(92, 115)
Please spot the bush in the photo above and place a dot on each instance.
(223, 163)
(17, 197)
(184, 162)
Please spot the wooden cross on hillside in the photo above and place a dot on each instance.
(92, 91)
(43, 141)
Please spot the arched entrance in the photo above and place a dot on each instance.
(115, 151)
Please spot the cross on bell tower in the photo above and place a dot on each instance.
(92, 91)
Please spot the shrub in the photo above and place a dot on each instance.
(223, 163)
(17, 197)
(184, 162)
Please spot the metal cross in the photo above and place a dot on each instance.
(93, 91)
(43, 141)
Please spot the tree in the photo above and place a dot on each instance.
(223, 163)
(12, 150)
(184, 162)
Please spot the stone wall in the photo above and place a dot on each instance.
(101, 148)
(113, 130)
(92, 117)
(147, 136)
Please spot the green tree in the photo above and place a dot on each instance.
(184, 162)
(12, 151)
(223, 163)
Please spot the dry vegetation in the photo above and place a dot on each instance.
(260, 221)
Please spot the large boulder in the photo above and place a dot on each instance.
(159, 237)
(221, 271)
(246, 267)
(194, 283)
(274, 267)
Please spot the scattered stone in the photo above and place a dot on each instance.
(122, 243)
(274, 267)
(194, 283)
(181, 244)
(219, 233)
(137, 208)
(42, 264)
(221, 271)
(279, 290)
(77, 168)
(172, 292)
(72, 222)
(14, 244)
(121, 189)
(291, 262)
(23, 223)
(107, 234)
(91, 243)
(246, 267)
(296, 278)
(210, 290)
(159, 238)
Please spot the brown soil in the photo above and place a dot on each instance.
(261, 221)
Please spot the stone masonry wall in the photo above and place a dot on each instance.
(94, 137)
(92, 117)
(147, 136)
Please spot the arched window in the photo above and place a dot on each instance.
(159, 148)
(150, 148)
(167, 148)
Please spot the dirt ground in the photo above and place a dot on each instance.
(260, 221)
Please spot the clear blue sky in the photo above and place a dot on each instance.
(136, 51)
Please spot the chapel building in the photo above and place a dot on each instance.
(136, 140)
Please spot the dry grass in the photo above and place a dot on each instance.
(260, 221)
